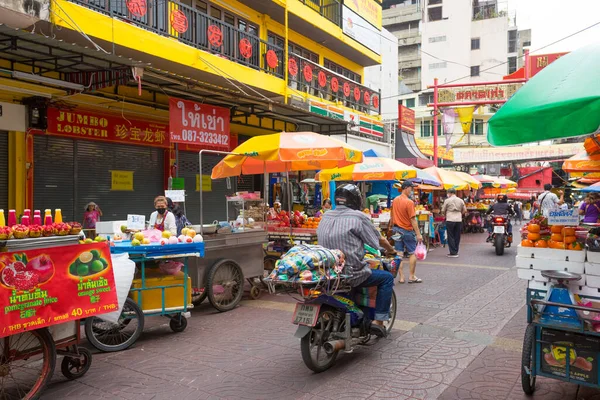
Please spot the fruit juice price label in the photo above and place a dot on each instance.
(45, 287)
(136, 222)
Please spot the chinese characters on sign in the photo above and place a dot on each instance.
(88, 125)
(406, 119)
(370, 10)
(198, 124)
(489, 92)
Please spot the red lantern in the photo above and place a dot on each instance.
(335, 85)
(215, 36)
(322, 78)
(308, 75)
(376, 102)
(245, 48)
(272, 60)
(179, 22)
(346, 89)
(292, 67)
(356, 93)
(137, 8)
(367, 97)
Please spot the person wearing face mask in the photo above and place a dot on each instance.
(162, 219)
(405, 229)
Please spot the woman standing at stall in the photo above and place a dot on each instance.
(590, 208)
(162, 219)
(180, 219)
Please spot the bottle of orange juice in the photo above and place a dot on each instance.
(58, 216)
(2, 219)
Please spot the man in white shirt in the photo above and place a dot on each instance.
(453, 209)
(549, 201)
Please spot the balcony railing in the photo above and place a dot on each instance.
(173, 19)
(330, 9)
(309, 77)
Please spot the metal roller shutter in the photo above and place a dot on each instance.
(4, 171)
(215, 206)
(94, 162)
(53, 181)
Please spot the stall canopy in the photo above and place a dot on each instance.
(473, 183)
(284, 152)
(448, 179)
(486, 180)
(582, 162)
(371, 169)
(425, 178)
(592, 188)
(563, 100)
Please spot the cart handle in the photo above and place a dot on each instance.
(574, 307)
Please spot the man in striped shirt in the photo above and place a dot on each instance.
(348, 229)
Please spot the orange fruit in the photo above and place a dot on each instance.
(533, 236)
(557, 237)
(556, 228)
(570, 239)
(526, 243)
(541, 243)
(533, 228)
(568, 232)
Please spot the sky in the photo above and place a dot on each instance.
(551, 20)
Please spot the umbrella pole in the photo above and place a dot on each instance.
(288, 187)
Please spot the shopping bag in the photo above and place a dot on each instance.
(123, 270)
(421, 251)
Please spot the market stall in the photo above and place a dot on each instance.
(49, 281)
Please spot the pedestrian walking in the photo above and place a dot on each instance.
(549, 200)
(453, 209)
(405, 229)
(91, 216)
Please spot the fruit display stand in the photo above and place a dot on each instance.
(48, 284)
(156, 292)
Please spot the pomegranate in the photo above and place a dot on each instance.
(16, 276)
(75, 228)
(5, 232)
(35, 231)
(20, 231)
(43, 266)
(47, 230)
(62, 229)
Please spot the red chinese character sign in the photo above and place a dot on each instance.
(346, 89)
(367, 98)
(356, 93)
(272, 60)
(292, 67)
(179, 21)
(308, 73)
(137, 8)
(198, 124)
(245, 48)
(322, 78)
(50, 286)
(215, 36)
(82, 124)
(335, 85)
(376, 102)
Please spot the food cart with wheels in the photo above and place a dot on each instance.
(47, 285)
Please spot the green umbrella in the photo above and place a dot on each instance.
(563, 100)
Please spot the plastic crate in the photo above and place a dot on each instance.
(152, 298)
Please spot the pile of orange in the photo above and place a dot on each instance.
(311, 223)
(561, 238)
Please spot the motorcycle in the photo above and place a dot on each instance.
(500, 236)
(474, 223)
(330, 321)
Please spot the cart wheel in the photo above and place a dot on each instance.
(254, 292)
(225, 285)
(527, 361)
(27, 363)
(178, 323)
(73, 367)
(109, 337)
(197, 300)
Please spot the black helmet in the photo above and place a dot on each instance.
(348, 195)
(502, 198)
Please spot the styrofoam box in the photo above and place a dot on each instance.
(538, 285)
(592, 268)
(551, 254)
(531, 275)
(587, 291)
(550, 265)
(592, 281)
(104, 228)
(593, 257)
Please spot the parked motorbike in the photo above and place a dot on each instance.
(330, 321)
(500, 236)
(474, 223)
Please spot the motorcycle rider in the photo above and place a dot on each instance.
(501, 208)
(348, 229)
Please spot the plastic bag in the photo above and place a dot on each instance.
(421, 251)
(170, 267)
(123, 270)
(154, 235)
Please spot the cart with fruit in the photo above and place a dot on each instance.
(46, 289)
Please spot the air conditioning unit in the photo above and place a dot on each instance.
(493, 169)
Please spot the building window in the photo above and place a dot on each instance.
(477, 127)
(438, 65)
(435, 14)
(342, 71)
(475, 70)
(427, 128)
(293, 47)
(512, 41)
(432, 2)
(410, 103)
(512, 64)
(437, 39)
(217, 13)
(475, 43)
(425, 98)
(527, 43)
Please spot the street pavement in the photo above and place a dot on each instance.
(458, 335)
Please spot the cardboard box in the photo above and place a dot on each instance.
(550, 265)
(552, 254)
(582, 350)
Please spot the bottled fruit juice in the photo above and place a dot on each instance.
(2, 219)
(37, 218)
(12, 217)
(58, 216)
(48, 217)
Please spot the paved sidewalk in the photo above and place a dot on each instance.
(458, 336)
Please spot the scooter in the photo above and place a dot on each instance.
(474, 223)
(500, 236)
(332, 322)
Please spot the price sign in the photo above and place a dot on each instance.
(136, 222)
(177, 196)
(564, 217)
(199, 124)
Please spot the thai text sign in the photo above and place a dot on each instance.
(406, 119)
(523, 153)
(370, 10)
(500, 92)
(50, 286)
(427, 149)
(84, 124)
(199, 124)
(564, 217)
(539, 62)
